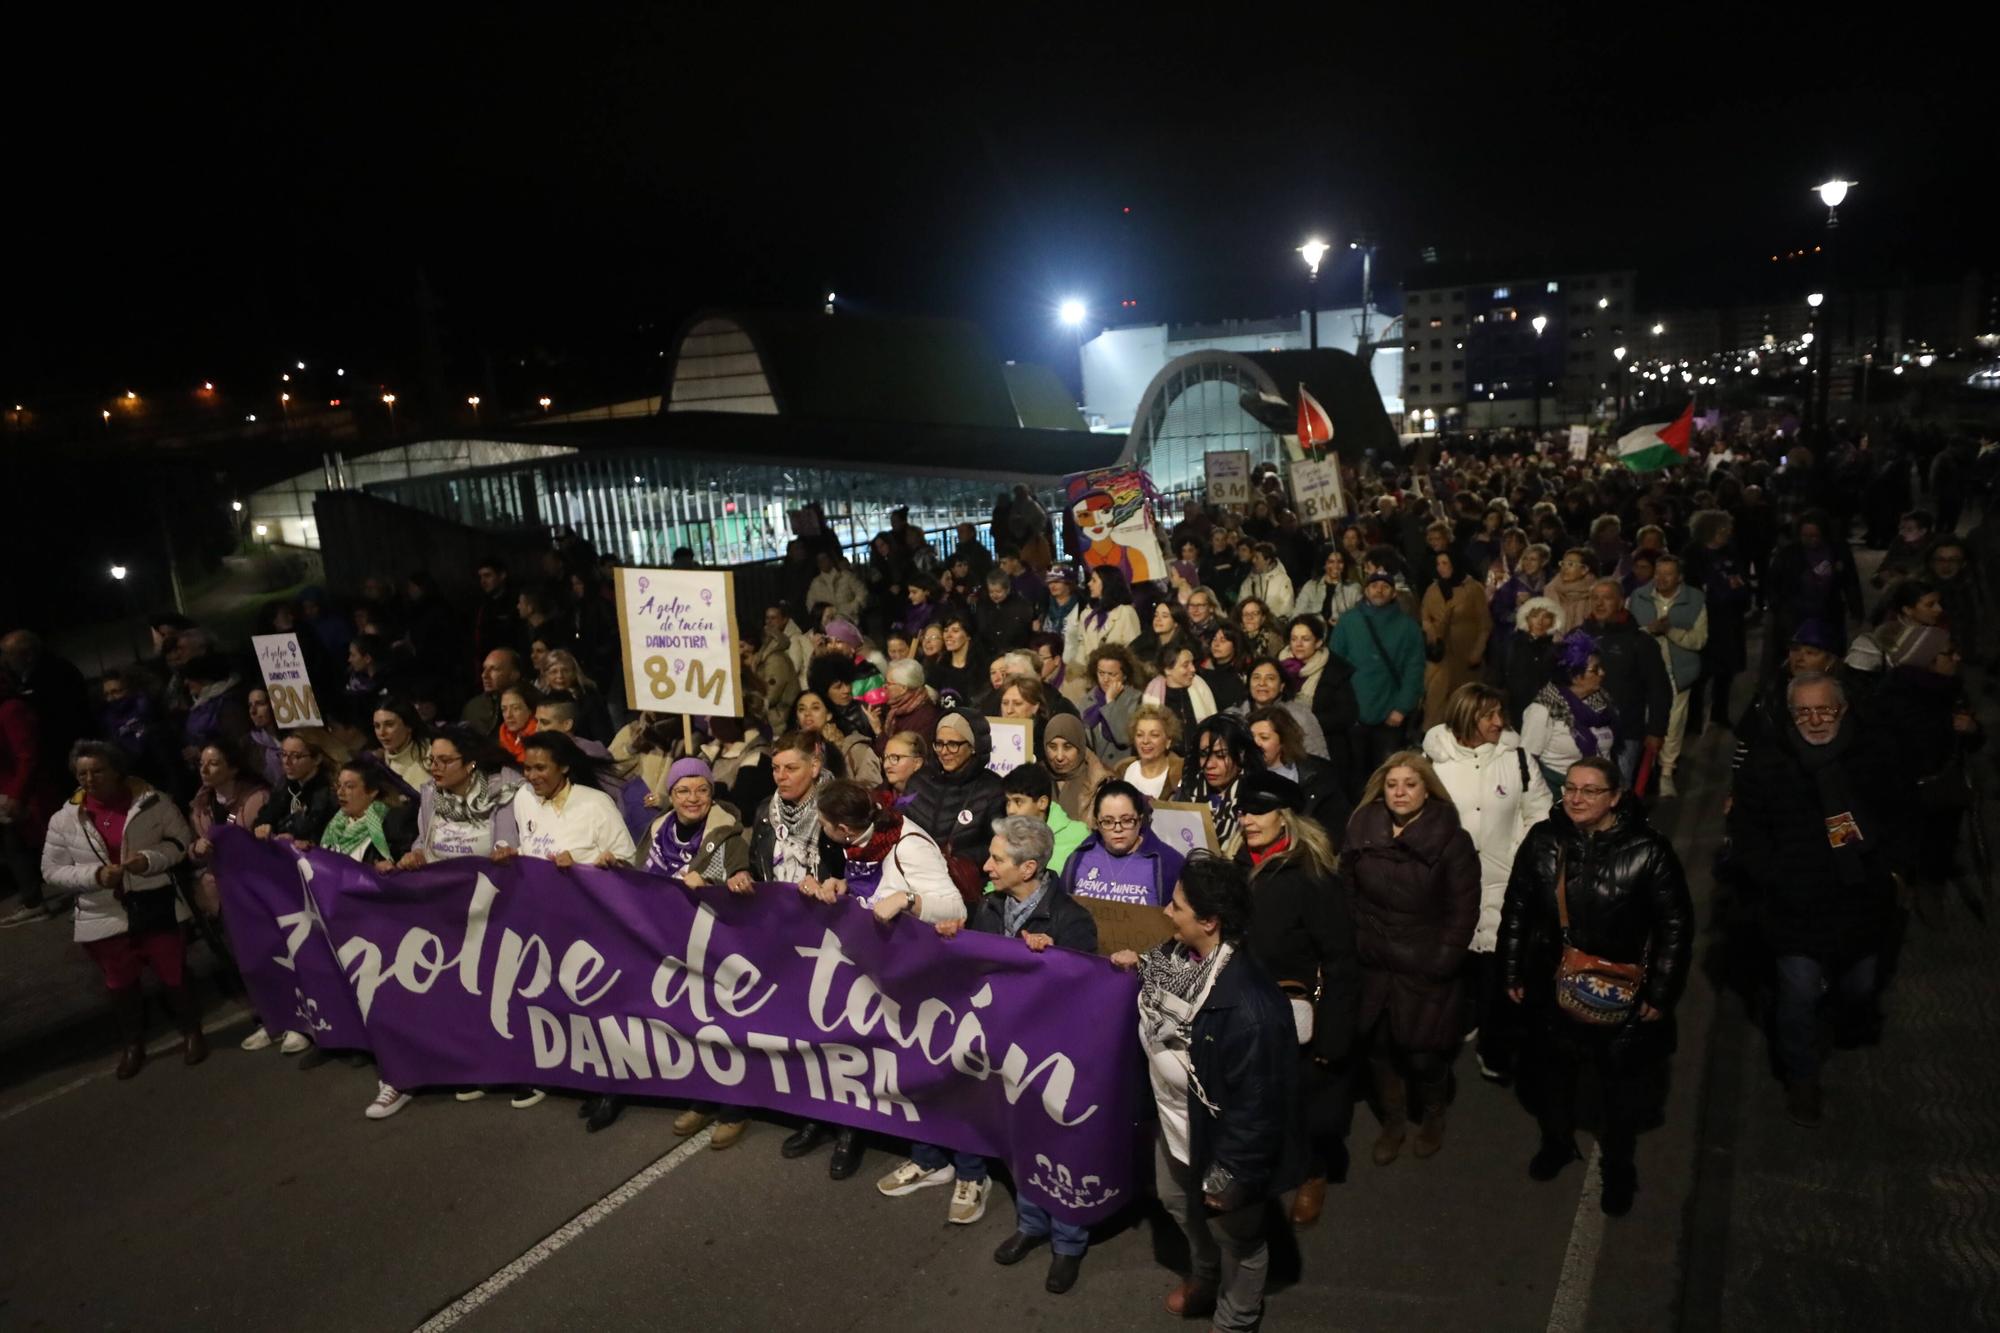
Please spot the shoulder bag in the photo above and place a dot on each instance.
(1588, 988)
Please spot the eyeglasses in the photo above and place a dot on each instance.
(1830, 713)
(1118, 823)
(1575, 793)
(892, 758)
(953, 747)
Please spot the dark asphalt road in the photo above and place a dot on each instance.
(248, 1194)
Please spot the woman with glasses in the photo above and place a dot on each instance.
(956, 797)
(1595, 877)
(1573, 717)
(1254, 618)
(466, 805)
(298, 811)
(1123, 860)
(903, 757)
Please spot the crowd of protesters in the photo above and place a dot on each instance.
(1427, 739)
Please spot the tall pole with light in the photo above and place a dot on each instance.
(1539, 322)
(1072, 312)
(389, 401)
(1313, 251)
(1815, 405)
(1367, 249)
(1832, 193)
(1618, 356)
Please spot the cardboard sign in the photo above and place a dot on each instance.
(1013, 743)
(1228, 474)
(1133, 926)
(293, 703)
(1579, 442)
(1185, 826)
(677, 630)
(1316, 489)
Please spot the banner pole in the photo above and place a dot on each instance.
(687, 735)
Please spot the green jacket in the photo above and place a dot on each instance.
(1070, 834)
(1387, 679)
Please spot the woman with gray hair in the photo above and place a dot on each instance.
(910, 706)
(115, 844)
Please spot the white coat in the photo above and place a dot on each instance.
(1496, 806)
(73, 852)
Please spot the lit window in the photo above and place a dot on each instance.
(1552, 286)
(1437, 323)
(1501, 293)
(1479, 388)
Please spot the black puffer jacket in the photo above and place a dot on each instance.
(958, 809)
(1302, 930)
(1416, 904)
(1628, 901)
(1778, 840)
(1244, 1049)
(301, 815)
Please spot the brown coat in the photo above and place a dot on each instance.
(1416, 902)
(1462, 625)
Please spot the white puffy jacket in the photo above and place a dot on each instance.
(1496, 806)
(74, 851)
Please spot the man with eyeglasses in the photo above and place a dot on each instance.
(1817, 826)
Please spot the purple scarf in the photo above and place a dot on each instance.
(1094, 722)
(1582, 718)
(670, 854)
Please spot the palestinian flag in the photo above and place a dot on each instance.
(1650, 448)
(1315, 426)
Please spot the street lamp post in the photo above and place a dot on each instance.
(1618, 356)
(1313, 251)
(1539, 322)
(474, 403)
(389, 401)
(1832, 193)
(1815, 405)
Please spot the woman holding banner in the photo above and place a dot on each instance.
(467, 805)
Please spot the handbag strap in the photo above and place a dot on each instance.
(1562, 893)
(1368, 624)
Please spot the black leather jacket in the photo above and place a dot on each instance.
(1244, 1049)
(1628, 901)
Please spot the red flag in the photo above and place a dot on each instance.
(1676, 436)
(1315, 426)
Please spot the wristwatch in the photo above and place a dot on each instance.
(914, 900)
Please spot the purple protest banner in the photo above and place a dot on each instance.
(469, 972)
(282, 941)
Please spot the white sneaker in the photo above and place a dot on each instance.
(521, 1101)
(909, 1178)
(256, 1041)
(294, 1042)
(968, 1202)
(387, 1102)
(468, 1094)
(25, 916)
(1667, 787)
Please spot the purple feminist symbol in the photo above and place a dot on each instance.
(644, 583)
(707, 596)
(1187, 836)
(679, 666)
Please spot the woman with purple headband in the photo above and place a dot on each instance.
(1572, 718)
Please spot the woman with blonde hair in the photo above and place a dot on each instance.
(563, 674)
(1500, 796)
(1302, 932)
(1414, 874)
(1155, 769)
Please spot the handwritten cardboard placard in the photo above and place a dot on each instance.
(1316, 489)
(1013, 743)
(677, 629)
(293, 703)
(1227, 472)
(1134, 926)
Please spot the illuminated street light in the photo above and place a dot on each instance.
(1897, 371)
(262, 529)
(1833, 192)
(251, 417)
(208, 386)
(474, 400)
(286, 377)
(1927, 360)
(1314, 250)
(342, 370)
(301, 365)
(1659, 329)
(118, 572)
(389, 398)
(1603, 303)
(1071, 312)
(1540, 322)
(1617, 354)
(130, 396)
(544, 401)
(1815, 299)
(1805, 339)
(235, 506)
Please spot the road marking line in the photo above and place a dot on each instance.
(564, 1234)
(1571, 1306)
(227, 1018)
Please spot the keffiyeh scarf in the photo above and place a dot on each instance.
(349, 834)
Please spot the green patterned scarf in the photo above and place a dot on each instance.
(347, 835)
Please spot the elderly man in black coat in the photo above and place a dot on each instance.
(1817, 827)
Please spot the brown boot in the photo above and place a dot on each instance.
(1310, 1200)
(1191, 1300)
(1394, 1094)
(132, 1061)
(194, 1047)
(1430, 1133)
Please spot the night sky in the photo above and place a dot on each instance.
(195, 200)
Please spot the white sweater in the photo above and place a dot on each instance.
(1495, 806)
(586, 825)
(913, 865)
